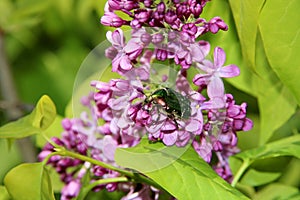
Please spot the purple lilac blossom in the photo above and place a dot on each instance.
(156, 14)
(183, 17)
(124, 53)
(223, 140)
(211, 76)
(120, 103)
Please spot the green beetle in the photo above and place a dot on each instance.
(174, 104)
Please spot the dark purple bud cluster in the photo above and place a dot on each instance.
(174, 15)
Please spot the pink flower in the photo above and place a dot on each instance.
(125, 53)
(213, 74)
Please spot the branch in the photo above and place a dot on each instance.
(9, 94)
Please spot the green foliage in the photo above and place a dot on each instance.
(263, 41)
(256, 178)
(29, 181)
(289, 146)
(181, 172)
(20, 14)
(283, 53)
(40, 119)
(54, 130)
(4, 194)
(278, 191)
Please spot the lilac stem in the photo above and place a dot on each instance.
(240, 172)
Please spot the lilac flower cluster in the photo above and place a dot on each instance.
(176, 14)
(85, 136)
(124, 110)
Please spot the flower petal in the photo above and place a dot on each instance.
(219, 57)
(193, 126)
(125, 63)
(229, 71)
(201, 79)
(170, 139)
(215, 87)
(109, 147)
(118, 38)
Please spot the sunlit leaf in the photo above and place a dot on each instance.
(256, 178)
(180, 171)
(276, 103)
(246, 15)
(40, 119)
(281, 39)
(289, 146)
(277, 191)
(54, 130)
(29, 181)
(44, 113)
(4, 194)
(229, 40)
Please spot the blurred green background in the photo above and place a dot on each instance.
(44, 44)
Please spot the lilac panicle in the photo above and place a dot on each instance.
(123, 110)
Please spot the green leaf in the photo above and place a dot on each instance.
(257, 178)
(29, 181)
(281, 38)
(289, 146)
(276, 106)
(229, 41)
(276, 191)
(276, 103)
(38, 120)
(180, 171)
(246, 15)
(54, 130)
(4, 194)
(44, 113)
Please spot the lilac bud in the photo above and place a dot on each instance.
(122, 4)
(196, 10)
(172, 36)
(111, 187)
(130, 4)
(142, 15)
(170, 16)
(111, 52)
(183, 10)
(161, 54)
(157, 38)
(43, 155)
(217, 23)
(114, 4)
(157, 15)
(111, 19)
(148, 3)
(135, 24)
(146, 38)
(71, 190)
(119, 85)
(99, 171)
(190, 29)
(248, 125)
(161, 7)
